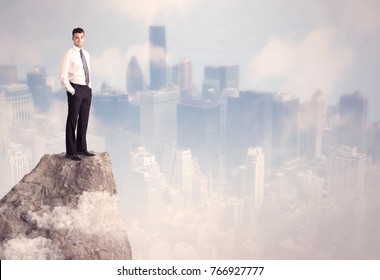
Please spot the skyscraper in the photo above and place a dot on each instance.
(146, 186)
(285, 129)
(157, 51)
(199, 128)
(185, 75)
(135, 77)
(218, 78)
(40, 91)
(346, 173)
(315, 129)
(254, 164)
(158, 119)
(353, 120)
(248, 124)
(4, 126)
(19, 101)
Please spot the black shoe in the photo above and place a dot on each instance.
(86, 153)
(73, 157)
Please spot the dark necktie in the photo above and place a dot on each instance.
(85, 67)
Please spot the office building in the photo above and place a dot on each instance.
(346, 173)
(157, 52)
(285, 129)
(135, 77)
(373, 142)
(315, 128)
(218, 78)
(353, 111)
(248, 123)
(4, 125)
(19, 101)
(40, 91)
(158, 119)
(146, 187)
(199, 128)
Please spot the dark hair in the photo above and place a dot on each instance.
(78, 30)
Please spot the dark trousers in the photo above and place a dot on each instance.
(79, 110)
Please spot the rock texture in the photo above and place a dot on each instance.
(64, 209)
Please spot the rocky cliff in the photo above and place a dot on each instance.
(64, 209)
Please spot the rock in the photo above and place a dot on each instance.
(64, 209)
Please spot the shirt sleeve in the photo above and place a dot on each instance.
(64, 73)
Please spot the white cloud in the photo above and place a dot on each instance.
(23, 248)
(89, 218)
(316, 62)
(144, 10)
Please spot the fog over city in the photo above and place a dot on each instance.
(236, 129)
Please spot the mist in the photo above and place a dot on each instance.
(262, 169)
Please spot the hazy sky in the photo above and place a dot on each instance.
(289, 45)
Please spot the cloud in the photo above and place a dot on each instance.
(88, 219)
(318, 61)
(111, 65)
(145, 10)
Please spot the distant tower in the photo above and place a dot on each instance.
(135, 77)
(316, 110)
(346, 173)
(185, 75)
(285, 129)
(19, 101)
(40, 91)
(157, 50)
(254, 165)
(248, 124)
(218, 78)
(158, 119)
(4, 125)
(199, 128)
(353, 120)
(146, 187)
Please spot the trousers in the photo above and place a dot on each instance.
(79, 106)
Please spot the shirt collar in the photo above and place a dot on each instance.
(76, 48)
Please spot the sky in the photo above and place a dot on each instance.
(290, 46)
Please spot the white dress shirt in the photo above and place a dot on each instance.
(71, 69)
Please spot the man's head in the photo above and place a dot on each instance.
(78, 37)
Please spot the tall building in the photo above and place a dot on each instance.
(185, 75)
(315, 129)
(146, 187)
(285, 129)
(254, 164)
(346, 173)
(373, 142)
(19, 101)
(40, 91)
(199, 128)
(157, 52)
(353, 120)
(135, 77)
(218, 78)
(158, 119)
(248, 124)
(8, 74)
(4, 125)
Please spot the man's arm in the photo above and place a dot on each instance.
(64, 73)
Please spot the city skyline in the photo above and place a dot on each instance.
(282, 46)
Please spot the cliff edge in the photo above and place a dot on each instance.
(64, 209)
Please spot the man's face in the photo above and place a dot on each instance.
(78, 39)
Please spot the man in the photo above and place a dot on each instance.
(74, 75)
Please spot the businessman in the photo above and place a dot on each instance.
(74, 76)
